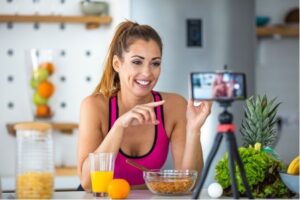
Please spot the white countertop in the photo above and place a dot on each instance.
(134, 194)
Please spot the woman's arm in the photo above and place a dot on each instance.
(185, 137)
(91, 137)
(196, 116)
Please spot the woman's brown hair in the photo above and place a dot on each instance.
(127, 32)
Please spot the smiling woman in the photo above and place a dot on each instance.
(128, 33)
(125, 116)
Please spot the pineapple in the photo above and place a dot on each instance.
(260, 118)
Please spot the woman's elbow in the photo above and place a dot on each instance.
(85, 183)
(84, 179)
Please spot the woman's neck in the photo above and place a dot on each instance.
(128, 101)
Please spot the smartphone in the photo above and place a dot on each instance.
(218, 86)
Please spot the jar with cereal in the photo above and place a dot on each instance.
(35, 163)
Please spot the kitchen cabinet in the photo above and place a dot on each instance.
(91, 22)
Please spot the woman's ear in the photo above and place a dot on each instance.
(116, 63)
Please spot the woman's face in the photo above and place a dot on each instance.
(219, 78)
(140, 68)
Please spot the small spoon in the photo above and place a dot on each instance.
(136, 165)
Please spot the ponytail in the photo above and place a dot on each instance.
(127, 32)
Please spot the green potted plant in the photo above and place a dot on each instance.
(261, 164)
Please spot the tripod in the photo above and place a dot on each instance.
(227, 128)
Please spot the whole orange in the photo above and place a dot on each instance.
(118, 189)
(49, 66)
(42, 111)
(45, 89)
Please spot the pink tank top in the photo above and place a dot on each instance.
(154, 159)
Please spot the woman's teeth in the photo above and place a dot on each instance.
(142, 82)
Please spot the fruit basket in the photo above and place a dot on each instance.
(42, 69)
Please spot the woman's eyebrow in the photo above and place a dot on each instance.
(141, 57)
(156, 58)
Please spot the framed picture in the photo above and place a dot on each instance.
(194, 32)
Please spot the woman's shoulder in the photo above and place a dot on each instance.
(94, 101)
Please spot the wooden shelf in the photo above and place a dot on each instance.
(65, 171)
(90, 21)
(66, 128)
(281, 30)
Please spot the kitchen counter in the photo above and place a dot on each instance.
(134, 194)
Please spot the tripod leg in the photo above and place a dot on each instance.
(209, 160)
(241, 166)
(231, 166)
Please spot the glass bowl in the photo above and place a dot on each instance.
(170, 182)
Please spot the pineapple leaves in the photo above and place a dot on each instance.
(259, 120)
(268, 108)
(250, 105)
(273, 112)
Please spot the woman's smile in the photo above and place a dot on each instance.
(143, 83)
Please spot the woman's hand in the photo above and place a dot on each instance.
(196, 115)
(140, 115)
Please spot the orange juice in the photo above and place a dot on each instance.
(100, 180)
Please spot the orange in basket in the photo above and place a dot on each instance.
(45, 89)
(42, 111)
(118, 189)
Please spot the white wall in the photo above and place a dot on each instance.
(75, 66)
(277, 75)
(228, 38)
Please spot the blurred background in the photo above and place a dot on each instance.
(227, 32)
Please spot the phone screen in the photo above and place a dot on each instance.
(218, 86)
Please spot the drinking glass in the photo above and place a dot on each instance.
(102, 170)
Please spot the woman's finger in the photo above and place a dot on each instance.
(148, 114)
(151, 113)
(155, 104)
(138, 116)
(207, 106)
(144, 112)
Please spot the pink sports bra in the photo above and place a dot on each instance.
(154, 159)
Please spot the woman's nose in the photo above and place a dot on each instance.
(146, 70)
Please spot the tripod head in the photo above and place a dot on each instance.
(225, 117)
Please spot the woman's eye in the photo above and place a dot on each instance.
(137, 62)
(156, 64)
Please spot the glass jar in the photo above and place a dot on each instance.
(35, 163)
